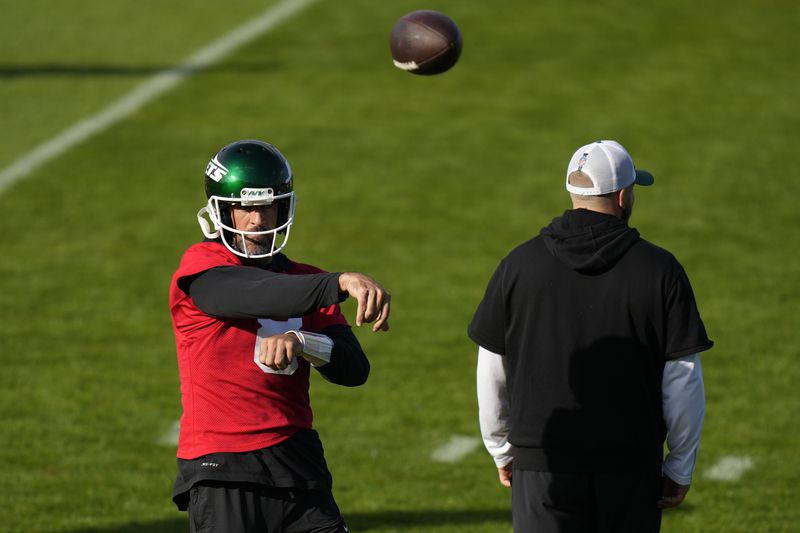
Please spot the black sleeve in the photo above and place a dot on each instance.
(685, 333)
(349, 365)
(487, 328)
(249, 292)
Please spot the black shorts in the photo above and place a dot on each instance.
(235, 507)
(560, 502)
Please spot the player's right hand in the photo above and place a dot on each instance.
(278, 351)
(373, 300)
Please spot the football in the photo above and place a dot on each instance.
(425, 42)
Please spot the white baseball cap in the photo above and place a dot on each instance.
(608, 165)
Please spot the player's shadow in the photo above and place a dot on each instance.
(366, 521)
(610, 423)
(62, 70)
(611, 397)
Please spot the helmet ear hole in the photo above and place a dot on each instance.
(225, 214)
(283, 212)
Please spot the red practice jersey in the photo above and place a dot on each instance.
(231, 402)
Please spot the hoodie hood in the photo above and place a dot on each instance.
(588, 241)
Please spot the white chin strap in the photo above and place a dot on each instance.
(213, 228)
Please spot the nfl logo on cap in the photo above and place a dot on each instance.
(608, 165)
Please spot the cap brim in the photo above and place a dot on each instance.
(643, 177)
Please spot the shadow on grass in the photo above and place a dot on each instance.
(170, 525)
(428, 517)
(51, 70)
(684, 508)
(357, 521)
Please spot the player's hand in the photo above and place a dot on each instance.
(278, 351)
(504, 473)
(672, 494)
(373, 300)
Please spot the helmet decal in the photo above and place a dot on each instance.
(216, 170)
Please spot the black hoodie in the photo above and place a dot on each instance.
(588, 241)
(586, 314)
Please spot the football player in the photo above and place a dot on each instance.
(249, 326)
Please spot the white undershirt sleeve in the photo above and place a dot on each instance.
(684, 408)
(493, 406)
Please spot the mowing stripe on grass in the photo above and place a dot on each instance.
(149, 90)
(730, 468)
(458, 447)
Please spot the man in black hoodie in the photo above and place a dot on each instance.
(588, 361)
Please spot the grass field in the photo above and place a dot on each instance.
(425, 183)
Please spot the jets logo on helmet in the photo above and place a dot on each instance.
(243, 174)
(216, 170)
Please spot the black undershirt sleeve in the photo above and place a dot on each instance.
(349, 365)
(250, 292)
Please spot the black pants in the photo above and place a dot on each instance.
(551, 502)
(229, 507)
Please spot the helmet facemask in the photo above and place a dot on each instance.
(216, 220)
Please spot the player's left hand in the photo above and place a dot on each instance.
(278, 351)
(374, 303)
(672, 494)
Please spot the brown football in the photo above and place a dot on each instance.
(425, 42)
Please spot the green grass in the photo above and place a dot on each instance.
(422, 182)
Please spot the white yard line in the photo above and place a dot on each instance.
(730, 468)
(458, 447)
(149, 90)
(170, 435)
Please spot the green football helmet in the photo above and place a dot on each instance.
(247, 173)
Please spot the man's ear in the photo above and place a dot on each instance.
(619, 198)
